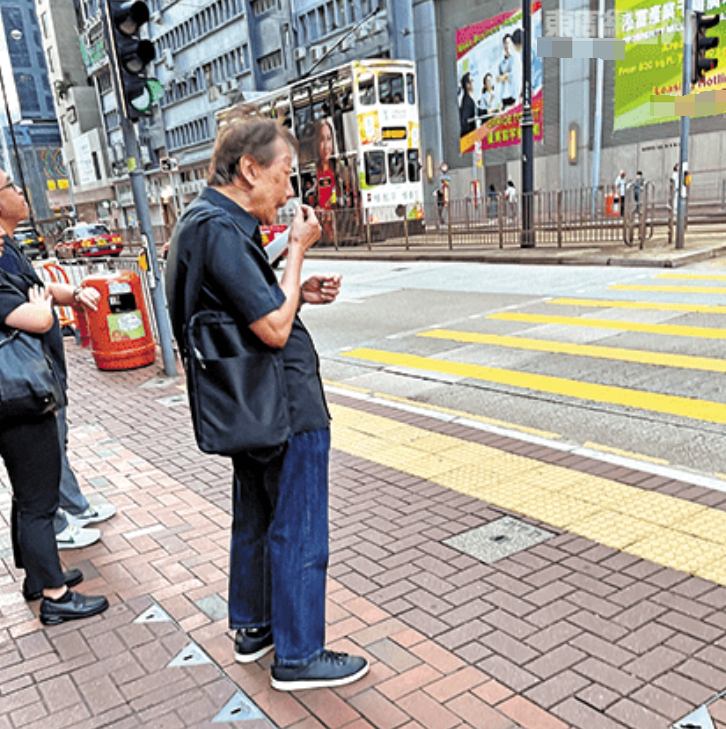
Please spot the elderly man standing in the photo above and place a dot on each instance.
(279, 548)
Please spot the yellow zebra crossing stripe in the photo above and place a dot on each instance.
(694, 276)
(706, 364)
(669, 289)
(670, 330)
(666, 530)
(702, 410)
(640, 305)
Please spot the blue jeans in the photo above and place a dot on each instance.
(71, 498)
(279, 552)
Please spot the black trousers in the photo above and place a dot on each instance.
(31, 452)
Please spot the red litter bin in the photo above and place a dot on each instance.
(121, 335)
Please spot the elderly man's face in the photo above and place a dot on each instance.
(13, 205)
(273, 188)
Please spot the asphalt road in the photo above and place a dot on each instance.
(626, 359)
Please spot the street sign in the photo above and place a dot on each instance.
(168, 164)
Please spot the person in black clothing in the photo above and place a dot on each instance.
(467, 109)
(26, 304)
(279, 550)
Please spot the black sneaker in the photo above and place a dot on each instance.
(251, 644)
(329, 669)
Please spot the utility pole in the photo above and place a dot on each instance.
(127, 56)
(527, 127)
(685, 124)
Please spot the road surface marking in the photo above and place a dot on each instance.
(671, 330)
(642, 305)
(684, 407)
(669, 289)
(661, 359)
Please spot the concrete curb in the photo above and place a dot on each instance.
(544, 256)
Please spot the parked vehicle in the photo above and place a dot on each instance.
(31, 242)
(89, 239)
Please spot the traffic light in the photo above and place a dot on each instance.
(132, 55)
(701, 44)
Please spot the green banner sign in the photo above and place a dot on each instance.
(653, 35)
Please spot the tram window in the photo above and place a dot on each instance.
(414, 165)
(410, 88)
(396, 167)
(390, 88)
(375, 168)
(367, 91)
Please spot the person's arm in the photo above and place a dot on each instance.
(35, 316)
(274, 328)
(65, 295)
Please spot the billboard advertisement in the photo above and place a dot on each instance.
(653, 35)
(489, 73)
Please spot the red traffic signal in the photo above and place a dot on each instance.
(701, 44)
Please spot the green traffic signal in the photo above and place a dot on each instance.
(132, 54)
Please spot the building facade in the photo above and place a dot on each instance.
(218, 53)
(569, 92)
(30, 131)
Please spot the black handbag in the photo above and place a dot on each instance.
(236, 386)
(28, 384)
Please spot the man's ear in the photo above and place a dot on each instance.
(248, 170)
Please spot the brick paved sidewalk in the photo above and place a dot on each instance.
(565, 633)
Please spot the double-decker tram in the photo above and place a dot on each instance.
(358, 132)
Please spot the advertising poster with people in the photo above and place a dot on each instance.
(653, 35)
(489, 72)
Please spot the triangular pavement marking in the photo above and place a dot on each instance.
(153, 615)
(698, 719)
(192, 655)
(239, 708)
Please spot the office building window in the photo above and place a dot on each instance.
(270, 62)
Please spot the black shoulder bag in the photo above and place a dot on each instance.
(28, 384)
(236, 385)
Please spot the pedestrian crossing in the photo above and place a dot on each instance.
(657, 349)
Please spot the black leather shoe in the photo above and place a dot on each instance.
(71, 578)
(79, 606)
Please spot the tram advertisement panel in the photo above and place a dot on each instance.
(489, 74)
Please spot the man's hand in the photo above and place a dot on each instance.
(88, 298)
(321, 289)
(305, 229)
(40, 296)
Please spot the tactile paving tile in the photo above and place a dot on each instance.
(614, 529)
(682, 552)
(560, 511)
(661, 509)
(708, 524)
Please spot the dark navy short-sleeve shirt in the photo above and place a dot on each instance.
(217, 250)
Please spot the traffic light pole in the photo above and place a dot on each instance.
(685, 125)
(527, 239)
(141, 203)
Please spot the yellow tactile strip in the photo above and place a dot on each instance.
(663, 529)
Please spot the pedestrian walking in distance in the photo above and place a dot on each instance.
(620, 185)
(510, 197)
(217, 263)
